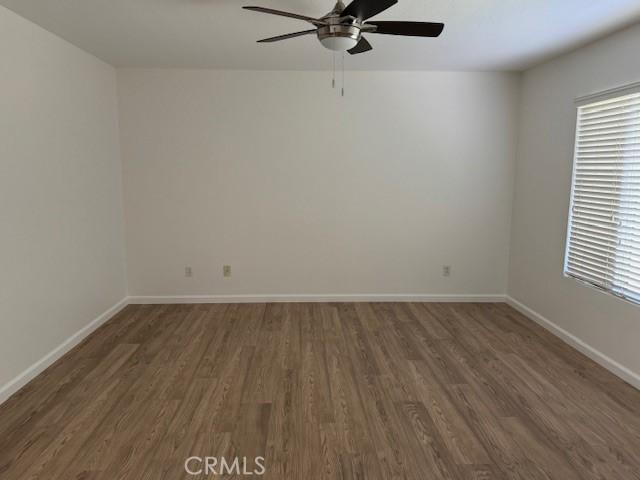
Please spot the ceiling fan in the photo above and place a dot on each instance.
(342, 28)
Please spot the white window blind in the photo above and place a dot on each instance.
(603, 240)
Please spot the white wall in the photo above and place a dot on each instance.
(61, 228)
(304, 192)
(542, 191)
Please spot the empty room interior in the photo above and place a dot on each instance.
(307, 240)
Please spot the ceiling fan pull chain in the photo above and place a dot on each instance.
(343, 74)
(333, 79)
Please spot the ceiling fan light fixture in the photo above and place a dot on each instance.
(339, 37)
(340, 30)
(339, 44)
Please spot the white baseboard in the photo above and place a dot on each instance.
(600, 358)
(34, 370)
(315, 298)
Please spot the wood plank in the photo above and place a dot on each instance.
(323, 391)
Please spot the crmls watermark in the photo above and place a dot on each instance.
(223, 466)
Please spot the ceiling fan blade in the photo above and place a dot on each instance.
(271, 11)
(412, 29)
(364, 9)
(361, 47)
(288, 35)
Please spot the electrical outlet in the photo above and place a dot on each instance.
(446, 270)
(226, 270)
(188, 272)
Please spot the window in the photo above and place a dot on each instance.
(603, 237)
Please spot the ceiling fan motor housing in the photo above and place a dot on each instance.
(339, 33)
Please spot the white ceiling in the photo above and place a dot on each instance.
(479, 34)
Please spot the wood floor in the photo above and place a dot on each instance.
(323, 391)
